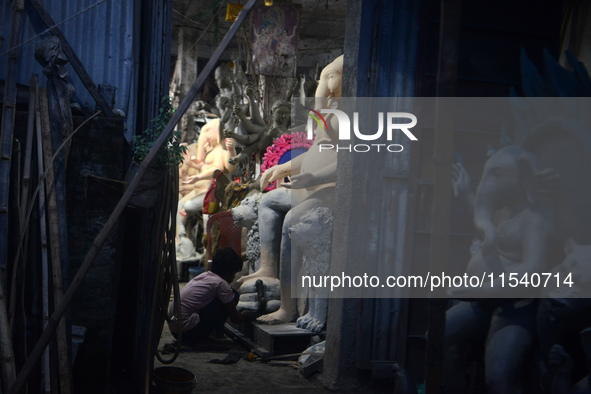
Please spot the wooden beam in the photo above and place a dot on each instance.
(54, 244)
(46, 368)
(74, 60)
(442, 188)
(103, 234)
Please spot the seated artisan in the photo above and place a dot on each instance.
(208, 300)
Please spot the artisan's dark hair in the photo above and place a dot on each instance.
(226, 262)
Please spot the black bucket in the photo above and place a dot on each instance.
(174, 380)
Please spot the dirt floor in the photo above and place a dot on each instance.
(244, 376)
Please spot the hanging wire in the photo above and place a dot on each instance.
(187, 18)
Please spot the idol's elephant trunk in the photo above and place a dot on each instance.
(320, 103)
(502, 185)
(209, 136)
(329, 85)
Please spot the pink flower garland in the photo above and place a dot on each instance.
(281, 146)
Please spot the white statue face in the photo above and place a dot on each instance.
(330, 82)
(210, 135)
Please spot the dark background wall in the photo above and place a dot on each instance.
(392, 50)
(95, 167)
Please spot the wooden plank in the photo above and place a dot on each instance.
(442, 192)
(407, 350)
(118, 210)
(279, 339)
(283, 330)
(340, 366)
(56, 262)
(74, 60)
(46, 368)
(283, 338)
(246, 341)
(279, 363)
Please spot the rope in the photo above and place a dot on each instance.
(51, 27)
(168, 279)
(188, 19)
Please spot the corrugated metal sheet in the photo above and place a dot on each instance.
(102, 37)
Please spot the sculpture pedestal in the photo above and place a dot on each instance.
(271, 340)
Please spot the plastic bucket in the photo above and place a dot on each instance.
(173, 380)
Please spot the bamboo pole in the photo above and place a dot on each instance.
(7, 365)
(44, 254)
(26, 185)
(29, 210)
(104, 233)
(24, 200)
(8, 114)
(6, 356)
(54, 245)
